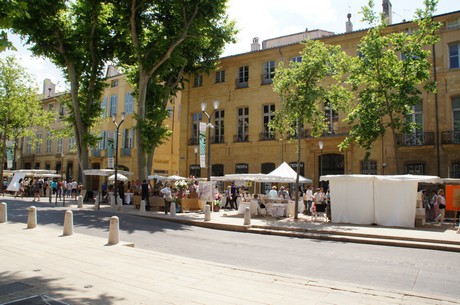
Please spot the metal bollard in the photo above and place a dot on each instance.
(68, 223)
(3, 212)
(114, 231)
(80, 201)
(32, 218)
(247, 217)
(207, 213)
(172, 209)
(142, 207)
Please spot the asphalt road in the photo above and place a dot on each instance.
(417, 270)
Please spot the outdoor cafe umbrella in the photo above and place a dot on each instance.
(120, 177)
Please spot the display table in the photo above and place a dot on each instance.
(253, 205)
(192, 204)
(278, 209)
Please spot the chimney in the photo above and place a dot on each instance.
(49, 89)
(255, 45)
(348, 24)
(387, 11)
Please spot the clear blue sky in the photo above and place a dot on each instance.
(266, 19)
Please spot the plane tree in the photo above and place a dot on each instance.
(388, 77)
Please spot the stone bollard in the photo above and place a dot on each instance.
(32, 218)
(68, 223)
(142, 207)
(458, 229)
(207, 213)
(80, 201)
(172, 209)
(114, 231)
(96, 203)
(3, 212)
(112, 201)
(247, 217)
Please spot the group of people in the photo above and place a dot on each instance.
(435, 205)
(39, 187)
(317, 201)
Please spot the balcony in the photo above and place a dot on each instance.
(241, 84)
(267, 136)
(450, 137)
(239, 138)
(331, 132)
(126, 152)
(415, 139)
(267, 79)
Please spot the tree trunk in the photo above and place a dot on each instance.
(395, 145)
(141, 155)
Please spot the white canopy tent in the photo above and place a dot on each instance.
(287, 174)
(105, 172)
(120, 177)
(369, 199)
(156, 176)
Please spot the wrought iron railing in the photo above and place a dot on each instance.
(415, 139)
(450, 137)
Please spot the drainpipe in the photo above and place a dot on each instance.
(437, 115)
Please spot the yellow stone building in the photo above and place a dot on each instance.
(242, 143)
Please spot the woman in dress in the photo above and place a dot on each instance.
(442, 206)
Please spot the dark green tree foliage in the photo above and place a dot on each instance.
(388, 76)
(76, 36)
(160, 41)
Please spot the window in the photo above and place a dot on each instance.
(220, 76)
(416, 137)
(217, 170)
(415, 168)
(293, 165)
(38, 147)
(241, 168)
(195, 170)
(50, 107)
(296, 59)
(369, 167)
(269, 115)
(268, 72)
(113, 105)
(243, 125)
(455, 169)
(48, 142)
(28, 146)
(243, 77)
(129, 103)
(198, 81)
(59, 145)
(332, 116)
(196, 119)
(61, 111)
(456, 113)
(128, 138)
(452, 24)
(114, 83)
(104, 107)
(103, 142)
(219, 126)
(454, 50)
(71, 143)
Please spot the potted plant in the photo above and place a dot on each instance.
(216, 205)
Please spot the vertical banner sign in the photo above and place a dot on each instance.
(202, 144)
(110, 149)
(9, 154)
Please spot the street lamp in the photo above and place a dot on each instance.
(195, 149)
(209, 126)
(117, 125)
(321, 146)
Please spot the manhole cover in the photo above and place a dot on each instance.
(37, 300)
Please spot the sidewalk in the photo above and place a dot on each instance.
(430, 236)
(82, 269)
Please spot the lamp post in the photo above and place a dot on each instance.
(117, 125)
(209, 126)
(195, 149)
(321, 146)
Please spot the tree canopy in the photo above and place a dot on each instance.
(388, 75)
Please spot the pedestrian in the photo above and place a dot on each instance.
(442, 206)
(234, 196)
(273, 194)
(308, 200)
(36, 190)
(167, 196)
(282, 193)
(145, 194)
(228, 197)
(121, 191)
(434, 208)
